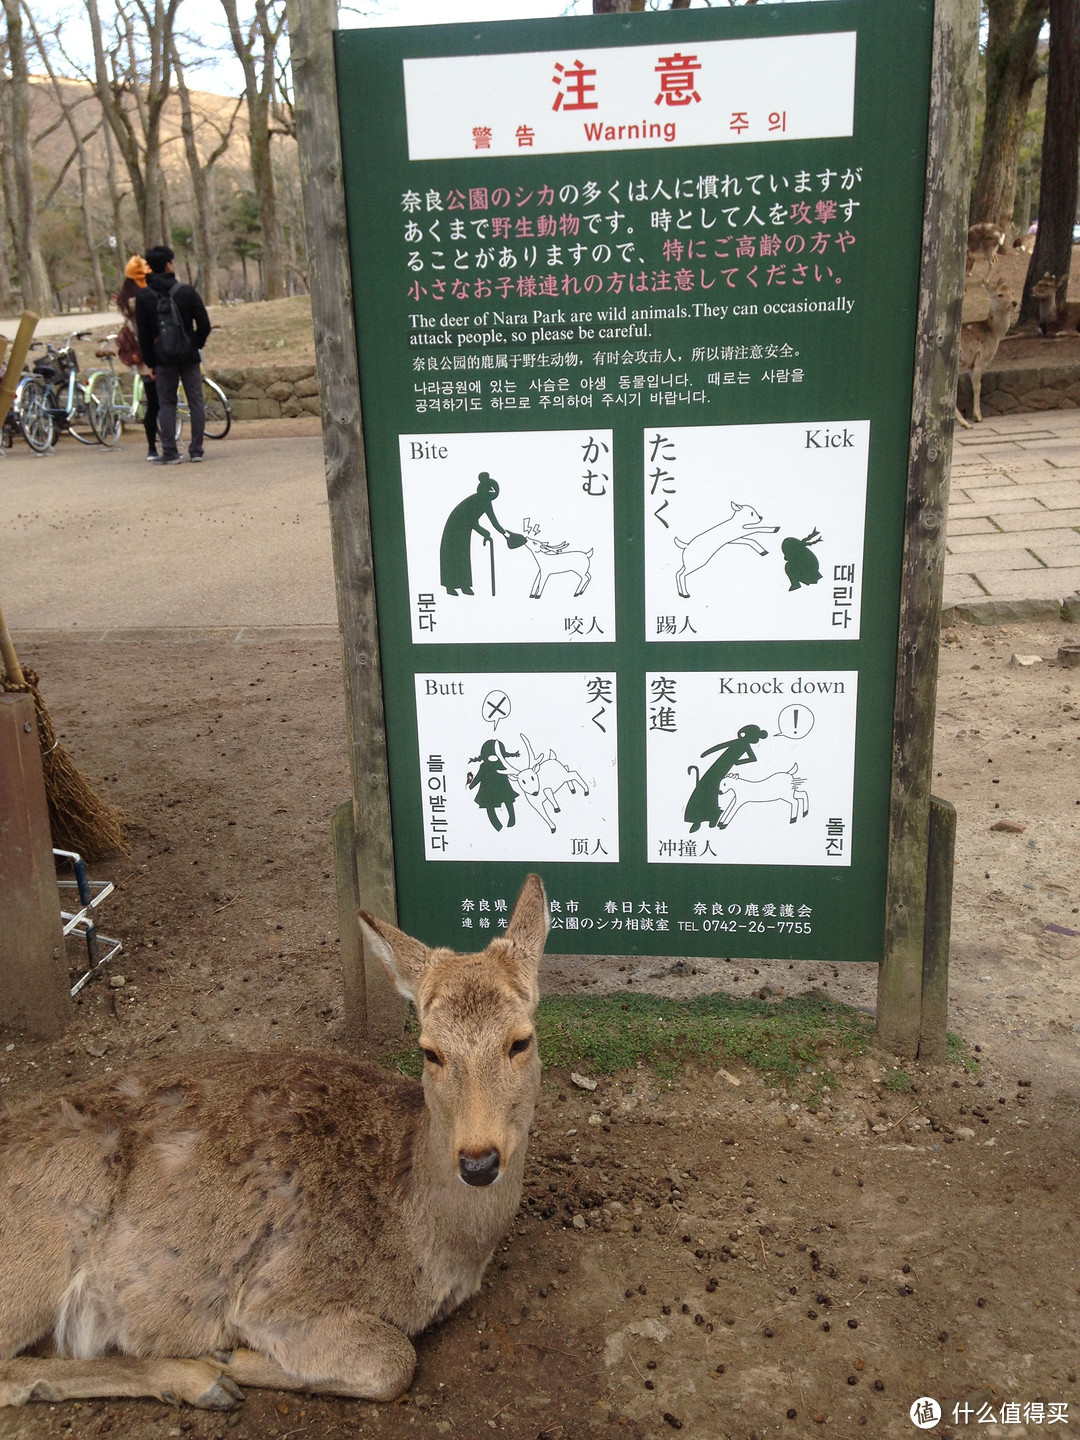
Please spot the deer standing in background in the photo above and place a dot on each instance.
(983, 239)
(979, 341)
(281, 1220)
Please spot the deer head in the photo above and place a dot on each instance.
(481, 1067)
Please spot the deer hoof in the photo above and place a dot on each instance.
(223, 1394)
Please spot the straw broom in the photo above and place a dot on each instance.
(79, 820)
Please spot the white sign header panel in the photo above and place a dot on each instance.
(641, 97)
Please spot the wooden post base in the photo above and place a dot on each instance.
(35, 993)
(374, 1012)
(940, 860)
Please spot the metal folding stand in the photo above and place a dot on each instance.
(100, 949)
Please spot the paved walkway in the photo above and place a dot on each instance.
(94, 540)
(49, 326)
(100, 542)
(1013, 532)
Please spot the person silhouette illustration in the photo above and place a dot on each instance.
(703, 807)
(455, 549)
(492, 783)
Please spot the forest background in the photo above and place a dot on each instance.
(111, 141)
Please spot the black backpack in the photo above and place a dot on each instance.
(175, 344)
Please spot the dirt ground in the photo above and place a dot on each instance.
(704, 1256)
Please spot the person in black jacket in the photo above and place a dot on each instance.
(168, 377)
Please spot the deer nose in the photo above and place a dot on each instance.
(479, 1169)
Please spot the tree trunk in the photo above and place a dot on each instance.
(202, 230)
(33, 278)
(1061, 145)
(146, 78)
(79, 141)
(259, 85)
(7, 179)
(118, 121)
(262, 175)
(1011, 72)
(7, 290)
(115, 198)
(154, 232)
(100, 298)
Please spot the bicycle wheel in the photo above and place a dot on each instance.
(105, 403)
(218, 413)
(32, 412)
(78, 420)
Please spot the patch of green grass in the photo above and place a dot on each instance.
(784, 1040)
(957, 1053)
(781, 1039)
(408, 1061)
(787, 1041)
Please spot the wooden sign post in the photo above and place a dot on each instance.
(34, 984)
(652, 321)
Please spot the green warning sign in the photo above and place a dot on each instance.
(636, 303)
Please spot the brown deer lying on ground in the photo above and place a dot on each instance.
(979, 340)
(986, 240)
(284, 1220)
(1055, 316)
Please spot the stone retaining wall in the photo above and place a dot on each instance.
(1008, 392)
(269, 392)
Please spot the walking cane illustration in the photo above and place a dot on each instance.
(490, 543)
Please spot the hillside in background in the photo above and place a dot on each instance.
(115, 233)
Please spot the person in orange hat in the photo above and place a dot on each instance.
(127, 346)
(137, 269)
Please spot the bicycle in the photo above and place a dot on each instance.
(52, 398)
(113, 411)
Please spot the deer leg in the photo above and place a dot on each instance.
(976, 392)
(345, 1354)
(541, 812)
(680, 583)
(961, 421)
(584, 582)
(198, 1382)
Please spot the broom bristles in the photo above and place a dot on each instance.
(79, 819)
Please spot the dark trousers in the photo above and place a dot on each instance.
(169, 377)
(151, 412)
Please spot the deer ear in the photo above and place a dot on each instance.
(528, 926)
(403, 958)
(527, 933)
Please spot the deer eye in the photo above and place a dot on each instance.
(431, 1057)
(520, 1046)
